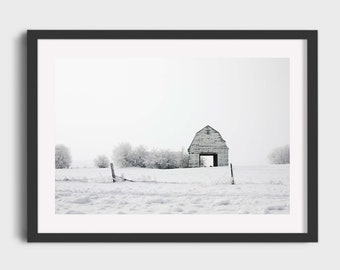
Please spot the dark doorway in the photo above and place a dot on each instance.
(208, 160)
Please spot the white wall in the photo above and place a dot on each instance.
(17, 16)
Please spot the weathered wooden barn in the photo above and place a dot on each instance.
(208, 142)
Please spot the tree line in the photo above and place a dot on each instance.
(127, 156)
(124, 155)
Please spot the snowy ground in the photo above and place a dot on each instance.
(258, 190)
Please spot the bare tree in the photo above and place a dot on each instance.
(62, 157)
(162, 159)
(122, 155)
(138, 157)
(280, 155)
(102, 161)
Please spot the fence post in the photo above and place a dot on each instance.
(113, 173)
(232, 174)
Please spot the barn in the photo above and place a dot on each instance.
(208, 142)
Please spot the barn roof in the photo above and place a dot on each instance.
(207, 126)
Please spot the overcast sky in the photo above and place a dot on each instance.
(163, 102)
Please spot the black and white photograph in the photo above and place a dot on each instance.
(172, 136)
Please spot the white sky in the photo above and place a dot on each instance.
(163, 102)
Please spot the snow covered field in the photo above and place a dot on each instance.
(258, 190)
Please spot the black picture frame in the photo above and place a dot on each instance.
(312, 134)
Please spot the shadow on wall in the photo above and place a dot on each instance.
(20, 195)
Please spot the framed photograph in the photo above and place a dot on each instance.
(172, 136)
